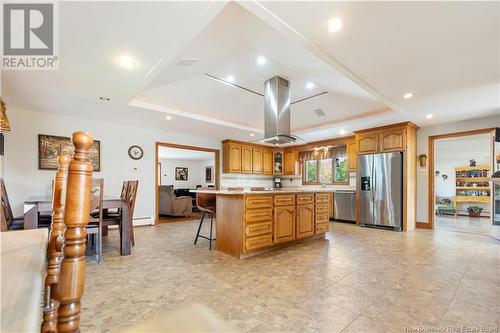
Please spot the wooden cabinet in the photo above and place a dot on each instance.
(246, 159)
(392, 140)
(305, 198)
(305, 220)
(232, 158)
(367, 143)
(267, 161)
(254, 243)
(284, 224)
(278, 162)
(259, 201)
(257, 160)
(257, 229)
(291, 158)
(284, 200)
(352, 156)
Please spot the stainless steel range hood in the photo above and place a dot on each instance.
(277, 111)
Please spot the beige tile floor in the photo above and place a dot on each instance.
(357, 280)
(475, 225)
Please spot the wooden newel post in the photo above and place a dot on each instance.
(76, 218)
(54, 251)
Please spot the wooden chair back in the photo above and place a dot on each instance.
(69, 289)
(97, 195)
(54, 249)
(7, 215)
(131, 194)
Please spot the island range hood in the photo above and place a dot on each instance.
(277, 112)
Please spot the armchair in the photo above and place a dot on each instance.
(169, 204)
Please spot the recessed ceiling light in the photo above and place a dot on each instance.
(252, 134)
(126, 61)
(104, 98)
(230, 78)
(342, 132)
(429, 116)
(335, 24)
(261, 60)
(408, 95)
(276, 144)
(169, 117)
(309, 85)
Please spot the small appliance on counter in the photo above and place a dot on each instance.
(277, 183)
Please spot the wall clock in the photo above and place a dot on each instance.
(135, 152)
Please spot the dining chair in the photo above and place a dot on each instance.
(129, 193)
(9, 221)
(206, 203)
(94, 227)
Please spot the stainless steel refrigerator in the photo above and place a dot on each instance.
(381, 190)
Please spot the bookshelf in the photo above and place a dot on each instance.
(472, 185)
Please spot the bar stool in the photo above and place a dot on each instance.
(206, 204)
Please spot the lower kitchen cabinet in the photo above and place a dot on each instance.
(284, 224)
(305, 220)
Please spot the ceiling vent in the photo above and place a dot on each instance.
(188, 61)
(320, 113)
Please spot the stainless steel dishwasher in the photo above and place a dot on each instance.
(344, 205)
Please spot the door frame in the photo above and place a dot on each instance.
(431, 183)
(159, 144)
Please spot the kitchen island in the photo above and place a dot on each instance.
(252, 222)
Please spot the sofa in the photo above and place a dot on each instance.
(172, 205)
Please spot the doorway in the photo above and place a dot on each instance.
(460, 193)
(178, 170)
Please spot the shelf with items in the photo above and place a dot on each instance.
(485, 188)
(472, 184)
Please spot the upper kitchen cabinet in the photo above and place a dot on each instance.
(267, 159)
(291, 157)
(246, 159)
(352, 155)
(257, 160)
(384, 139)
(278, 162)
(232, 157)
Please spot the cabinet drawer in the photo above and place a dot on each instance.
(259, 201)
(260, 228)
(322, 197)
(322, 218)
(322, 208)
(257, 215)
(321, 228)
(284, 200)
(258, 242)
(305, 198)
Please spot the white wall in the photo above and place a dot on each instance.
(422, 148)
(23, 179)
(196, 172)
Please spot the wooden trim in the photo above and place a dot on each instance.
(430, 151)
(380, 128)
(327, 142)
(422, 225)
(159, 144)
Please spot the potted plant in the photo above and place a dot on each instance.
(475, 211)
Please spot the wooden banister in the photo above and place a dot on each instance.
(69, 289)
(54, 251)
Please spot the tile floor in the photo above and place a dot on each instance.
(357, 280)
(475, 225)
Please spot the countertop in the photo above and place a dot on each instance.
(278, 191)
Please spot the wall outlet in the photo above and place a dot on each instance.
(135, 169)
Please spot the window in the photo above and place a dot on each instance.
(326, 171)
(311, 171)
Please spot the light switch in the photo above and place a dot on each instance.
(423, 172)
(135, 169)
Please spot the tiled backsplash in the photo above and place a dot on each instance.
(297, 181)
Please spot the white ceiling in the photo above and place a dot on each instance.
(447, 53)
(184, 154)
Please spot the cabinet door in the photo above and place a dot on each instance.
(278, 162)
(284, 224)
(367, 142)
(290, 160)
(393, 140)
(246, 159)
(267, 161)
(232, 158)
(305, 220)
(257, 160)
(352, 156)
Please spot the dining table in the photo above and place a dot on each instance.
(38, 204)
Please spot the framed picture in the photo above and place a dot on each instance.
(209, 174)
(51, 146)
(181, 173)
